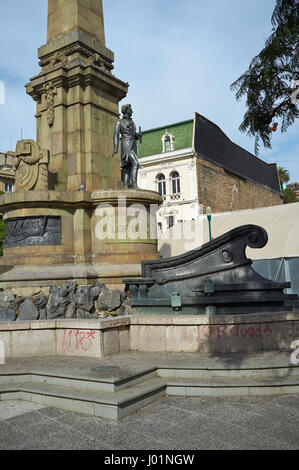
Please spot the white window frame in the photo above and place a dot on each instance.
(177, 182)
(10, 187)
(163, 185)
(167, 137)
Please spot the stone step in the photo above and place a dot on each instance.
(117, 405)
(228, 387)
(104, 404)
(233, 373)
(105, 380)
(116, 387)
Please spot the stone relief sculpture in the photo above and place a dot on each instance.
(31, 166)
(26, 231)
(50, 92)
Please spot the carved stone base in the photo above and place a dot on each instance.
(53, 237)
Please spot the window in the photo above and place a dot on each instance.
(170, 221)
(176, 184)
(161, 185)
(167, 142)
(8, 187)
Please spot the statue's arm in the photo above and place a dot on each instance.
(116, 137)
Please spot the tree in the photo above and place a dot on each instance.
(283, 175)
(271, 77)
(289, 196)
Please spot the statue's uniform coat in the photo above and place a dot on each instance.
(127, 129)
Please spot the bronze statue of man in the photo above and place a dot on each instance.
(126, 128)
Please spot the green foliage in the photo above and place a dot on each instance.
(283, 175)
(289, 196)
(268, 82)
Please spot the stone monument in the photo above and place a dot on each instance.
(67, 184)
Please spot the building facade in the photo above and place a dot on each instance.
(193, 165)
(7, 175)
(295, 187)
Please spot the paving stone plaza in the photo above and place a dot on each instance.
(265, 420)
(173, 423)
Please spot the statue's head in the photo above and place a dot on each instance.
(127, 110)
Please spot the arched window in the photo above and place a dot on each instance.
(176, 183)
(161, 185)
(167, 142)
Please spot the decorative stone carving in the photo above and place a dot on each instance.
(28, 231)
(86, 57)
(31, 166)
(50, 92)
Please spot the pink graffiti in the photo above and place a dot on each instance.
(237, 331)
(77, 340)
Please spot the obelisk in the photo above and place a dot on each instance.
(77, 98)
(55, 230)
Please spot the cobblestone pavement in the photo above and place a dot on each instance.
(171, 423)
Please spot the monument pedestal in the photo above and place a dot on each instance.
(53, 237)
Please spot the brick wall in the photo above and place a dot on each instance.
(224, 191)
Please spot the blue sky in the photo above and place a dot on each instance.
(179, 56)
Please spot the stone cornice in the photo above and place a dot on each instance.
(70, 39)
(167, 156)
(77, 75)
(23, 199)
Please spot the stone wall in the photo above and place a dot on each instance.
(150, 333)
(81, 338)
(223, 191)
(214, 334)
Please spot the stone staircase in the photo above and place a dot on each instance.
(114, 392)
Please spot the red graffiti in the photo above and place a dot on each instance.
(211, 331)
(77, 340)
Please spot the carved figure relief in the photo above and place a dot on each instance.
(50, 92)
(28, 231)
(31, 166)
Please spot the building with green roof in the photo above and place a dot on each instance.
(193, 165)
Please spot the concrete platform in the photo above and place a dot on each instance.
(119, 385)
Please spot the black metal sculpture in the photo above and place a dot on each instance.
(125, 127)
(216, 278)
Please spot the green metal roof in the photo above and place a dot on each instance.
(152, 143)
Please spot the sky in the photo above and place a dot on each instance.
(179, 57)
